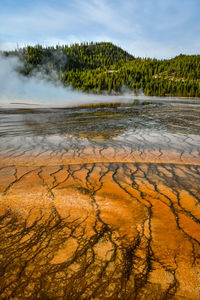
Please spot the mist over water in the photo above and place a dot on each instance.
(16, 88)
(38, 90)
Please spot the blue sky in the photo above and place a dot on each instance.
(146, 28)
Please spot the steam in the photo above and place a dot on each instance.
(37, 90)
(47, 90)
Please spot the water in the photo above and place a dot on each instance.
(100, 202)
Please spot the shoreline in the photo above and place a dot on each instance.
(120, 99)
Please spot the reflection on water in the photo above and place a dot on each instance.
(100, 203)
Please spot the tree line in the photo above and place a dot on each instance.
(104, 67)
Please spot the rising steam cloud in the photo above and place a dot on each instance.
(16, 89)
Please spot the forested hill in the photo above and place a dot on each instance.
(104, 67)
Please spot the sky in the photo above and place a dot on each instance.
(145, 28)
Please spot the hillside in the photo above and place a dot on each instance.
(104, 67)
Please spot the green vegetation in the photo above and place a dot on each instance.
(104, 67)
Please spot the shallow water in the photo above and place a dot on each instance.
(100, 202)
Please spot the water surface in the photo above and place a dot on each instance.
(100, 202)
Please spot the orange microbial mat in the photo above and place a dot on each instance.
(100, 203)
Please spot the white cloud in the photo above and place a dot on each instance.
(109, 16)
(156, 28)
(86, 17)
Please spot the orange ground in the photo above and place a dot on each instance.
(100, 226)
